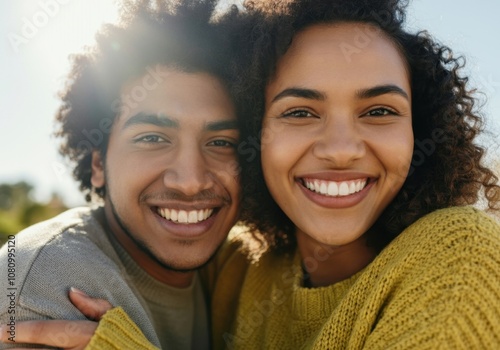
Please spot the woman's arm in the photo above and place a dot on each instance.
(115, 329)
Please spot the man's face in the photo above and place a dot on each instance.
(171, 170)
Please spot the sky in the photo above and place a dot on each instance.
(36, 37)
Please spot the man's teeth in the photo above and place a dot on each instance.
(185, 216)
(332, 188)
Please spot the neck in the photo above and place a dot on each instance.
(326, 265)
(177, 279)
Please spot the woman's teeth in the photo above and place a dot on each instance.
(335, 189)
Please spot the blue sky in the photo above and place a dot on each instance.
(37, 36)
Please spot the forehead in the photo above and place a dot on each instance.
(187, 98)
(346, 52)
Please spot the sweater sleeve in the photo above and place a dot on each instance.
(451, 301)
(116, 331)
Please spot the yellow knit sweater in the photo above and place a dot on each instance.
(435, 286)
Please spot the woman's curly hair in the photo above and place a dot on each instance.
(174, 33)
(450, 173)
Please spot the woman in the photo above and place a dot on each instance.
(366, 161)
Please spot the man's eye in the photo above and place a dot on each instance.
(151, 139)
(380, 112)
(222, 143)
(297, 113)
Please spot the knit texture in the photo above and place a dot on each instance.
(436, 286)
(71, 250)
(120, 334)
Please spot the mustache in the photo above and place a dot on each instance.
(172, 195)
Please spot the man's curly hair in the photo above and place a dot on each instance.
(452, 174)
(178, 34)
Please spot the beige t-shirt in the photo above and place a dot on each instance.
(179, 315)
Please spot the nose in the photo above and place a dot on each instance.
(187, 171)
(339, 142)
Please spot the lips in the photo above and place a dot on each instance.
(335, 188)
(185, 216)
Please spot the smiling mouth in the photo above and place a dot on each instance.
(334, 188)
(185, 216)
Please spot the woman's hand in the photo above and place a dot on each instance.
(70, 335)
(92, 308)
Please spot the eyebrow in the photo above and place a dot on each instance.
(362, 94)
(381, 90)
(160, 120)
(300, 92)
(222, 125)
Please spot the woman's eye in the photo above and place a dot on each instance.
(297, 113)
(380, 112)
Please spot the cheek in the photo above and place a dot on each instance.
(132, 173)
(279, 156)
(274, 159)
(396, 156)
(233, 188)
(226, 174)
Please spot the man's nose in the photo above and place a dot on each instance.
(188, 172)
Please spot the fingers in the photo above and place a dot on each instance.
(92, 308)
(74, 335)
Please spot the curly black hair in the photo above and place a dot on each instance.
(179, 34)
(451, 172)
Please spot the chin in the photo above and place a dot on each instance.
(182, 264)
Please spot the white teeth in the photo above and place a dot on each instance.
(193, 217)
(352, 188)
(185, 216)
(332, 188)
(343, 189)
(360, 185)
(323, 188)
(182, 217)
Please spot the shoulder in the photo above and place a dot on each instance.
(81, 219)
(72, 233)
(71, 249)
(456, 248)
(454, 229)
(440, 278)
(465, 216)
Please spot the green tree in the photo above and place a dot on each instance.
(18, 209)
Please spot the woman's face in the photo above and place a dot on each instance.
(337, 132)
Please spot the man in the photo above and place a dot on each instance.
(149, 123)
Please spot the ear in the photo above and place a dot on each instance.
(97, 179)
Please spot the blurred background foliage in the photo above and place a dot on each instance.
(18, 209)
